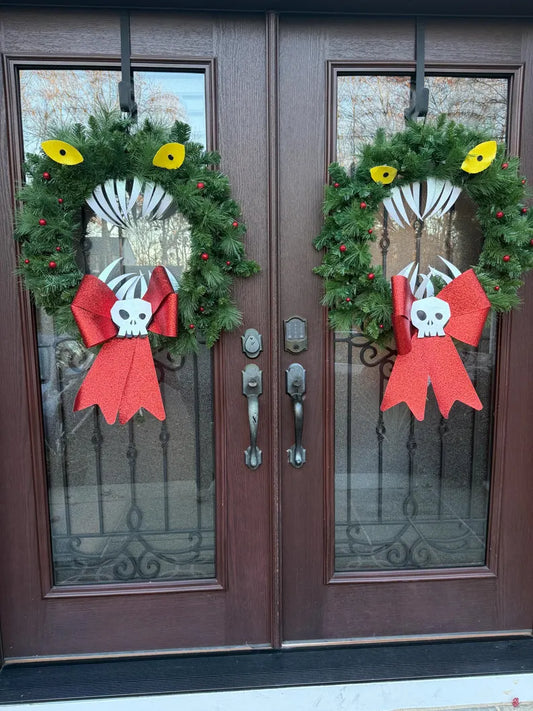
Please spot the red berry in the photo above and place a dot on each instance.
(523, 210)
(52, 265)
(191, 325)
(381, 325)
(201, 309)
(46, 176)
(371, 276)
(496, 288)
(235, 223)
(499, 215)
(505, 165)
(348, 299)
(506, 258)
(60, 201)
(342, 248)
(200, 186)
(523, 181)
(42, 221)
(370, 231)
(228, 263)
(26, 261)
(531, 242)
(204, 256)
(362, 205)
(58, 249)
(336, 185)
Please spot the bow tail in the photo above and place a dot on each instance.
(141, 389)
(408, 383)
(448, 375)
(122, 380)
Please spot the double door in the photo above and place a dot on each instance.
(160, 536)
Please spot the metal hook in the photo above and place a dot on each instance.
(126, 89)
(419, 93)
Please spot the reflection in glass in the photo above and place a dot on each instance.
(412, 494)
(136, 502)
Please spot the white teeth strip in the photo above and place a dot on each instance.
(144, 286)
(434, 189)
(148, 192)
(116, 281)
(392, 212)
(456, 272)
(107, 271)
(120, 191)
(451, 202)
(436, 272)
(396, 196)
(127, 290)
(154, 200)
(165, 203)
(173, 281)
(406, 270)
(445, 194)
(407, 192)
(425, 286)
(113, 201)
(135, 192)
(414, 279)
(98, 210)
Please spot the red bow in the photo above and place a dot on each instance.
(122, 378)
(435, 358)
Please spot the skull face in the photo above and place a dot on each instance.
(132, 316)
(429, 316)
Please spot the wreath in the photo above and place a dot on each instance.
(112, 150)
(450, 154)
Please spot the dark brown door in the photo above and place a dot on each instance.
(394, 527)
(159, 537)
(152, 535)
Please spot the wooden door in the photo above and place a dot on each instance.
(280, 559)
(82, 573)
(365, 554)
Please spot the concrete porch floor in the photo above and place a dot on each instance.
(482, 693)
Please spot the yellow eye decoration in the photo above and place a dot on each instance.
(383, 174)
(62, 152)
(170, 156)
(480, 157)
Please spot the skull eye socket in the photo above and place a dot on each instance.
(438, 316)
(421, 315)
(142, 316)
(123, 314)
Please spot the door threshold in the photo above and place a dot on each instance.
(394, 639)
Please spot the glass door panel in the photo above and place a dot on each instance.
(412, 495)
(136, 502)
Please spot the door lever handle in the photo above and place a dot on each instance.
(252, 387)
(295, 376)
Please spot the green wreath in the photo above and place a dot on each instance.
(356, 291)
(50, 221)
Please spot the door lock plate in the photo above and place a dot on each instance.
(295, 332)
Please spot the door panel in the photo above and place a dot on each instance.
(202, 608)
(414, 592)
(271, 111)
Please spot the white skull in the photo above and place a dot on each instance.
(132, 316)
(429, 316)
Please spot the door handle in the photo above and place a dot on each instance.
(252, 387)
(295, 376)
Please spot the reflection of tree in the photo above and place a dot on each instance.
(57, 96)
(144, 243)
(366, 103)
